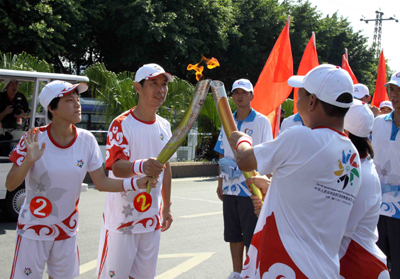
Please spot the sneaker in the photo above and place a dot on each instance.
(234, 275)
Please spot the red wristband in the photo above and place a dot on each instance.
(244, 139)
(137, 167)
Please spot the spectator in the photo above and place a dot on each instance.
(386, 107)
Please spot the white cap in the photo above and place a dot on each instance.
(7, 81)
(58, 88)
(386, 104)
(327, 82)
(360, 91)
(359, 119)
(149, 71)
(395, 79)
(244, 84)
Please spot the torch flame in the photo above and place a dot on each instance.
(211, 64)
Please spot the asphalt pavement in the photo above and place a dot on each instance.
(192, 248)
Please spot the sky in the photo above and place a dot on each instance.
(354, 10)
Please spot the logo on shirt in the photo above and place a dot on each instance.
(27, 271)
(347, 166)
(248, 131)
(111, 273)
(80, 163)
(161, 137)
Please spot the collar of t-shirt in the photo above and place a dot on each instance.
(297, 118)
(395, 129)
(249, 118)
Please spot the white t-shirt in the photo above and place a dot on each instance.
(53, 185)
(255, 125)
(362, 233)
(300, 227)
(386, 144)
(291, 121)
(131, 139)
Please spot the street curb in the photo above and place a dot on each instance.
(183, 169)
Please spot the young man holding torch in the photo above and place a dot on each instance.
(130, 236)
(239, 217)
(315, 181)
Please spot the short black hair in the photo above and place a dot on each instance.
(334, 111)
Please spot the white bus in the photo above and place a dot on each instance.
(11, 202)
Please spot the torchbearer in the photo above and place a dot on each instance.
(133, 221)
(238, 211)
(316, 178)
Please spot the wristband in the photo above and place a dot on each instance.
(242, 139)
(130, 184)
(137, 167)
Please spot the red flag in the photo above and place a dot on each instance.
(346, 66)
(271, 89)
(380, 93)
(308, 62)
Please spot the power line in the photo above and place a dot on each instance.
(376, 45)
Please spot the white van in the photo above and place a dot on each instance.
(11, 202)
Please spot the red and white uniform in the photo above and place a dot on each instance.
(314, 184)
(359, 256)
(132, 139)
(53, 185)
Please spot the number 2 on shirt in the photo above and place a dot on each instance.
(142, 202)
(40, 207)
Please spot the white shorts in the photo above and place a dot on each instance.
(62, 258)
(122, 255)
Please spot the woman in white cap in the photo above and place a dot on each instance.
(360, 256)
(54, 160)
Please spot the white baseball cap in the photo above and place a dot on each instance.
(58, 88)
(244, 84)
(327, 82)
(386, 104)
(149, 71)
(395, 79)
(360, 91)
(359, 119)
(7, 81)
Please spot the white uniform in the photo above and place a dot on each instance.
(313, 188)
(128, 213)
(362, 233)
(53, 186)
(257, 126)
(386, 144)
(291, 121)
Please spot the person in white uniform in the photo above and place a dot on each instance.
(315, 180)
(133, 222)
(239, 218)
(359, 255)
(54, 160)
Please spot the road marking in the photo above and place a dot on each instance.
(196, 178)
(195, 259)
(201, 215)
(192, 199)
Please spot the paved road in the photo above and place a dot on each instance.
(192, 248)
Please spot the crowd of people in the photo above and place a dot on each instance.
(331, 207)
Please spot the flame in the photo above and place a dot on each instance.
(211, 64)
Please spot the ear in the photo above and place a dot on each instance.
(346, 132)
(369, 99)
(138, 87)
(53, 111)
(312, 102)
(252, 96)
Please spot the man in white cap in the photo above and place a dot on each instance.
(13, 105)
(386, 107)
(239, 217)
(359, 255)
(314, 184)
(386, 144)
(133, 222)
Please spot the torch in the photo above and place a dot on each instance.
(228, 123)
(186, 123)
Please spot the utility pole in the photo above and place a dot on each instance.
(376, 45)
